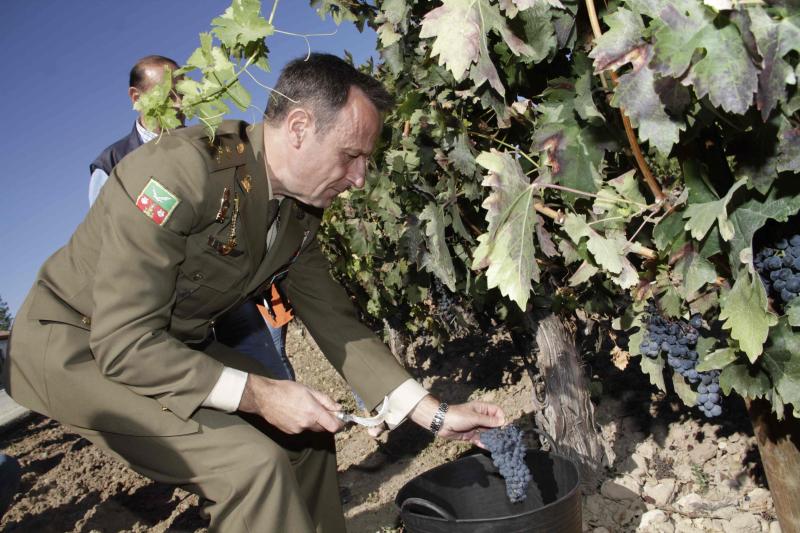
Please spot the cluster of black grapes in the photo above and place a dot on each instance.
(508, 455)
(678, 338)
(779, 267)
(448, 309)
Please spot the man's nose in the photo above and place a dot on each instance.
(358, 173)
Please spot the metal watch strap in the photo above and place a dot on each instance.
(438, 418)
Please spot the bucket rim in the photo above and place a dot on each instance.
(570, 494)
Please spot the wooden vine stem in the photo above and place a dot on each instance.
(562, 404)
(651, 182)
(779, 446)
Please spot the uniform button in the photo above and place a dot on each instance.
(212, 323)
(86, 321)
(197, 276)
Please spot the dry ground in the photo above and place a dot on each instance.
(70, 486)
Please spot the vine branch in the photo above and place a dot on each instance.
(651, 182)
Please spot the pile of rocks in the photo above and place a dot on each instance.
(687, 478)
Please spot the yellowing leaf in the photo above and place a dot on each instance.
(437, 259)
(507, 249)
(459, 29)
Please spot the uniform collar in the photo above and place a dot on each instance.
(257, 161)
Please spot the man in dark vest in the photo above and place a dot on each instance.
(145, 74)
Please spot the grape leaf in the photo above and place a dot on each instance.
(572, 156)
(745, 312)
(527, 4)
(749, 381)
(725, 73)
(636, 94)
(538, 32)
(702, 216)
(609, 251)
(695, 272)
(461, 156)
(622, 40)
(459, 29)
(751, 215)
(584, 273)
(793, 312)
(789, 150)
(716, 360)
(684, 390)
(584, 104)
(436, 259)
(775, 40)
(669, 233)
(507, 248)
(241, 24)
(782, 360)
(654, 368)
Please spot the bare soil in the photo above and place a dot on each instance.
(68, 485)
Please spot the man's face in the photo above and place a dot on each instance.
(330, 162)
(153, 76)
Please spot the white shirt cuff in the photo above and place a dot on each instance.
(96, 182)
(228, 391)
(402, 400)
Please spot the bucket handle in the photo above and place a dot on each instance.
(422, 502)
(547, 437)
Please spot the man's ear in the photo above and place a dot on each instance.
(298, 125)
(134, 94)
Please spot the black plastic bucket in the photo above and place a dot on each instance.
(469, 496)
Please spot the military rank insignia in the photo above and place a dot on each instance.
(156, 202)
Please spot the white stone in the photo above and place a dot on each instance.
(624, 488)
(727, 512)
(650, 518)
(646, 449)
(743, 523)
(660, 492)
(691, 502)
(775, 527)
(702, 452)
(600, 529)
(594, 504)
(760, 499)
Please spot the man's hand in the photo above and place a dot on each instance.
(289, 406)
(463, 421)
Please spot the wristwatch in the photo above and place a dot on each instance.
(438, 418)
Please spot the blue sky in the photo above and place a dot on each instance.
(64, 99)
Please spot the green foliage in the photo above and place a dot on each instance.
(505, 179)
(507, 94)
(5, 316)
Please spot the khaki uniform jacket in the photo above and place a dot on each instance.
(135, 294)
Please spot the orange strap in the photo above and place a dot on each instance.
(278, 314)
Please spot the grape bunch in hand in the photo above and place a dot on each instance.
(508, 455)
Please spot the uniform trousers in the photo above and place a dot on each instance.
(256, 478)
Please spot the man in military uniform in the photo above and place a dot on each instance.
(116, 337)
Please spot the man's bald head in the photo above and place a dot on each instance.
(149, 71)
